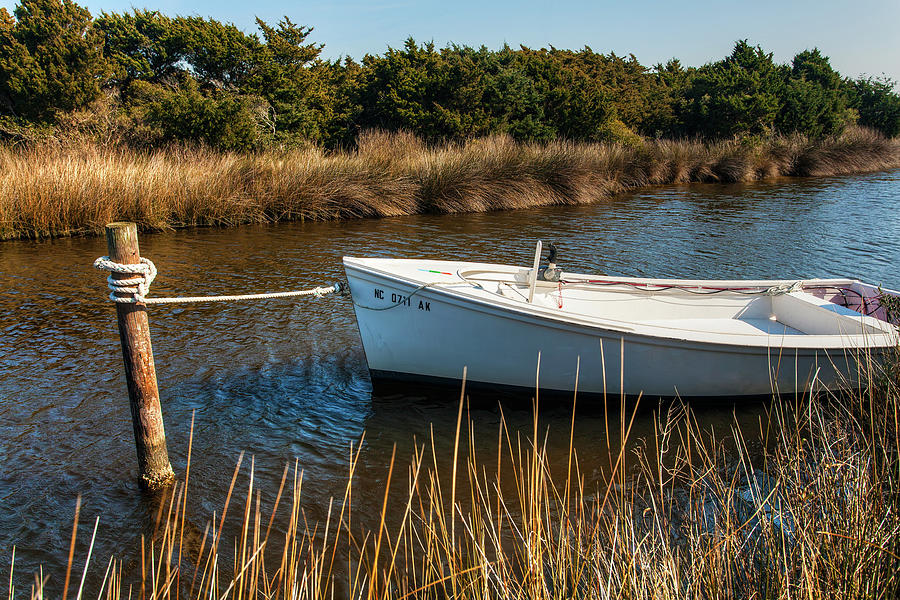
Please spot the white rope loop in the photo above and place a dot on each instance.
(138, 287)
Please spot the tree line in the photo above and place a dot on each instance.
(144, 78)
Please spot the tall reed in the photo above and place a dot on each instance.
(809, 510)
(58, 190)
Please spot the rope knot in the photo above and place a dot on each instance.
(784, 288)
(136, 287)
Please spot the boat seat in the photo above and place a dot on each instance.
(816, 316)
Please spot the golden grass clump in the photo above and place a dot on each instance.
(75, 188)
(807, 510)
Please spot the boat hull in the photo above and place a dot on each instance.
(414, 332)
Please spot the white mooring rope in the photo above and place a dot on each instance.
(138, 287)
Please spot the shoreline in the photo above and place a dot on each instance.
(51, 191)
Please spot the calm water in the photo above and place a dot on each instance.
(287, 381)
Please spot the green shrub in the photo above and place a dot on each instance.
(877, 103)
(216, 118)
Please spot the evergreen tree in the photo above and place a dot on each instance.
(813, 100)
(281, 71)
(666, 100)
(405, 89)
(737, 95)
(140, 46)
(51, 59)
(574, 103)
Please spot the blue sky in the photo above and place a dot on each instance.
(860, 36)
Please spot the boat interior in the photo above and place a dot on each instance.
(736, 308)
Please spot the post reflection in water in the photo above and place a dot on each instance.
(285, 382)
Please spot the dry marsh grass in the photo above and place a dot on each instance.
(813, 513)
(49, 190)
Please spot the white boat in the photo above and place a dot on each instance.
(428, 319)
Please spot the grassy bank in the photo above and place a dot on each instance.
(50, 190)
(812, 513)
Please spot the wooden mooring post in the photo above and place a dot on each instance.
(140, 372)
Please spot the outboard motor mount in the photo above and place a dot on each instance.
(552, 272)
